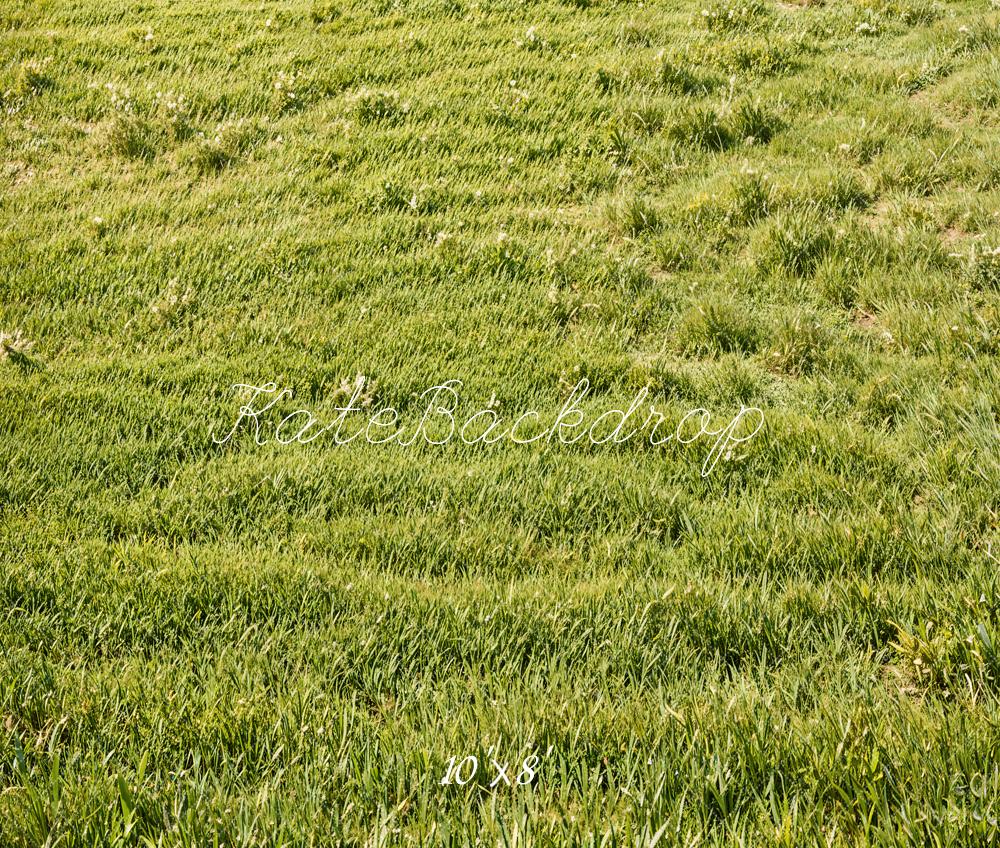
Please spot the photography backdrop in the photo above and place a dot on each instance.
(792, 207)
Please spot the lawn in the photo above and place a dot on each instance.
(213, 636)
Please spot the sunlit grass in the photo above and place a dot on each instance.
(794, 206)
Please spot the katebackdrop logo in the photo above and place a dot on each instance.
(440, 422)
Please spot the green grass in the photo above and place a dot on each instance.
(794, 206)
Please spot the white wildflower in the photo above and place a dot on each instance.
(14, 345)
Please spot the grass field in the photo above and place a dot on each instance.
(790, 206)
